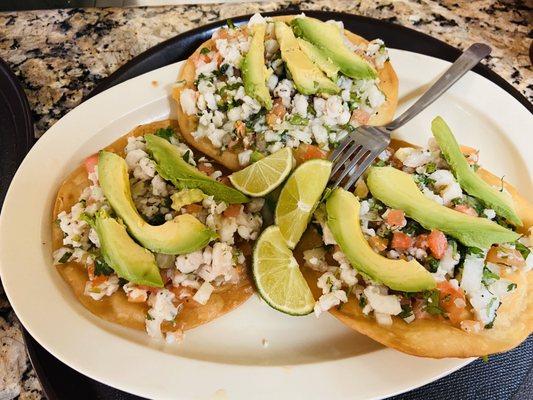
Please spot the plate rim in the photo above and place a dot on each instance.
(446, 373)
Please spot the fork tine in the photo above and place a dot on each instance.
(344, 157)
(362, 168)
(350, 166)
(340, 148)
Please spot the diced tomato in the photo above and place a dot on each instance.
(206, 168)
(306, 152)
(506, 256)
(465, 209)
(422, 241)
(437, 243)
(90, 163)
(377, 243)
(401, 241)
(276, 114)
(360, 117)
(233, 210)
(99, 279)
(193, 208)
(452, 301)
(395, 218)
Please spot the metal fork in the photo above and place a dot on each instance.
(360, 148)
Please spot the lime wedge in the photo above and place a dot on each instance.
(299, 198)
(265, 175)
(277, 275)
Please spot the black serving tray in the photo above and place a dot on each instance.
(504, 376)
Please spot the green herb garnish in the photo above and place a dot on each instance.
(65, 257)
(431, 167)
(524, 250)
(165, 133)
(298, 120)
(432, 298)
(101, 267)
(230, 23)
(205, 50)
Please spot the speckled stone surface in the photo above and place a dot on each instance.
(60, 55)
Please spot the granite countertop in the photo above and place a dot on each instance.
(60, 55)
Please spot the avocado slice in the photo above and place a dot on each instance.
(307, 77)
(254, 71)
(315, 55)
(129, 260)
(184, 234)
(172, 167)
(343, 220)
(328, 39)
(467, 178)
(398, 190)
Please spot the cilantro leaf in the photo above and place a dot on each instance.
(524, 250)
(65, 257)
(165, 133)
(101, 267)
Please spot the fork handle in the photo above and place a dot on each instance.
(468, 60)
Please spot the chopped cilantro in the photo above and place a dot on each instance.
(149, 317)
(223, 68)
(512, 286)
(65, 257)
(432, 264)
(488, 275)
(205, 50)
(88, 219)
(431, 167)
(377, 206)
(165, 133)
(485, 359)
(230, 23)
(311, 110)
(298, 120)
(362, 301)
(101, 267)
(349, 127)
(380, 163)
(412, 228)
(524, 250)
(407, 311)
(424, 180)
(432, 302)
(471, 202)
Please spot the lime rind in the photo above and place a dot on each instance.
(299, 198)
(277, 275)
(265, 175)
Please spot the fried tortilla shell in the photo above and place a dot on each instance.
(116, 308)
(436, 337)
(229, 158)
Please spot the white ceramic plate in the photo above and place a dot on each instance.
(305, 358)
